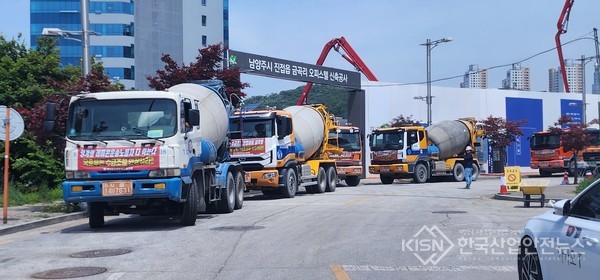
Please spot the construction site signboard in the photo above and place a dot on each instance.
(291, 70)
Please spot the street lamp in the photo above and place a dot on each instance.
(429, 46)
(84, 33)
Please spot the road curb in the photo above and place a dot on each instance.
(43, 222)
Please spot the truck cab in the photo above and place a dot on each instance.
(349, 162)
(263, 142)
(396, 151)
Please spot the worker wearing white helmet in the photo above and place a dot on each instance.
(468, 164)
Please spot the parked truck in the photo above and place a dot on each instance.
(419, 153)
(548, 155)
(282, 150)
(151, 152)
(349, 162)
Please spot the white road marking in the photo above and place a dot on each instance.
(462, 268)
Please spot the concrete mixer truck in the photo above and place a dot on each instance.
(150, 152)
(420, 153)
(282, 150)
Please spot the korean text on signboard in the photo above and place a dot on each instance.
(292, 70)
(118, 159)
(255, 146)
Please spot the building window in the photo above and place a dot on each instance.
(203, 41)
(203, 20)
(203, 2)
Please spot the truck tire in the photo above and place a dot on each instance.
(475, 173)
(352, 181)
(331, 179)
(289, 183)
(321, 181)
(420, 174)
(386, 179)
(96, 214)
(240, 186)
(227, 202)
(458, 172)
(189, 211)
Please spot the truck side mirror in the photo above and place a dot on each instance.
(193, 117)
(49, 118)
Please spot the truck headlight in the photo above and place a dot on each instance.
(165, 172)
(269, 175)
(77, 175)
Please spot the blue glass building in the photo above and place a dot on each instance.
(134, 34)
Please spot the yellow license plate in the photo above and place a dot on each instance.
(247, 177)
(117, 188)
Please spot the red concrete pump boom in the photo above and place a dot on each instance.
(350, 55)
(562, 24)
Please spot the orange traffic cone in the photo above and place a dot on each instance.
(565, 180)
(503, 189)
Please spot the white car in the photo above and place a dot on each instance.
(563, 243)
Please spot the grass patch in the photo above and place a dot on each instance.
(17, 198)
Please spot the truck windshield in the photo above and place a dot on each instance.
(93, 119)
(251, 128)
(544, 141)
(393, 140)
(345, 140)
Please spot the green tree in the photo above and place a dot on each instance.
(401, 120)
(576, 140)
(29, 79)
(501, 133)
(335, 98)
(208, 65)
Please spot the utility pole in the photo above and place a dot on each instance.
(596, 85)
(85, 37)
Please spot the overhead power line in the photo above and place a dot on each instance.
(485, 69)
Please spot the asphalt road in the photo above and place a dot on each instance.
(373, 231)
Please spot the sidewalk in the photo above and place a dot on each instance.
(25, 217)
(554, 191)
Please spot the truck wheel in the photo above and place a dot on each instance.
(190, 206)
(386, 179)
(96, 214)
(420, 173)
(227, 201)
(289, 183)
(458, 172)
(352, 181)
(475, 173)
(331, 179)
(545, 173)
(321, 181)
(240, 186)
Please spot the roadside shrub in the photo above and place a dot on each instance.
(35, 167)
(584, 183)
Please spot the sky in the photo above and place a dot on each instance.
(387, 35)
